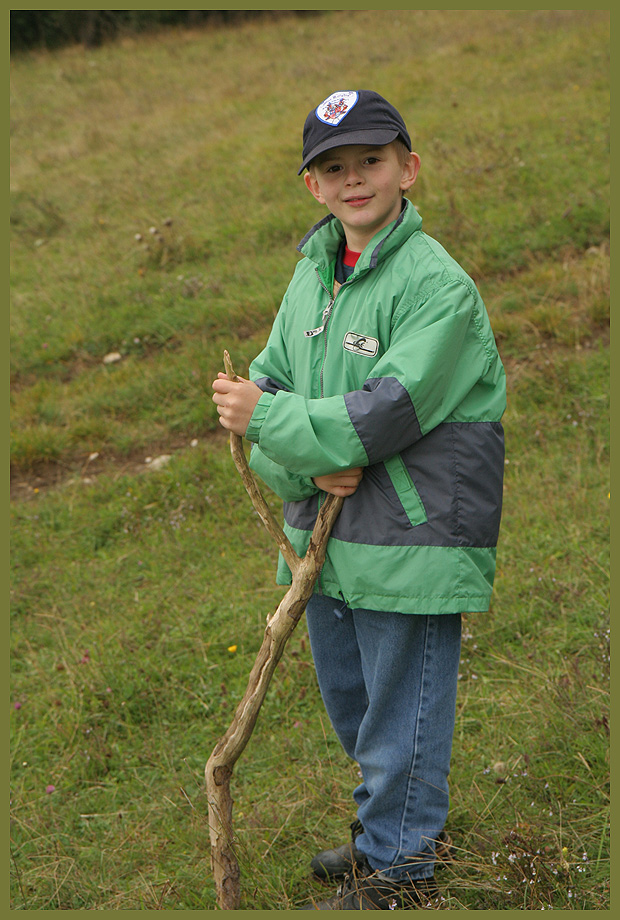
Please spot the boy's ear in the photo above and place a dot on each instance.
(410, 171)
(313, 186)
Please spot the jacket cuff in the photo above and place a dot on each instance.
(258, 417)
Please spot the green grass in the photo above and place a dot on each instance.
(130, 586)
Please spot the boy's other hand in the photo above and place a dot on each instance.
(342, 484)
(235, 401)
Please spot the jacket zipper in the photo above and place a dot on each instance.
(327, 312)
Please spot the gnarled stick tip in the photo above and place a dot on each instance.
(229, 367)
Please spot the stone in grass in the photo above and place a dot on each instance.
(112, 357)
(157, 463)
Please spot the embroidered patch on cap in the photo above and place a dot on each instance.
(361, 344)
(333, 109)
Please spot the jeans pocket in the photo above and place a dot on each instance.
(406, 491)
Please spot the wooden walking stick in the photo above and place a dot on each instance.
(280, 625)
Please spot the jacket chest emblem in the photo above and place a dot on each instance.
(361, 344)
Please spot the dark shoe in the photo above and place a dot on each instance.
(334, 864)
(363, 889)
(444, 849)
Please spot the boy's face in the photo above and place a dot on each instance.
(362, 186)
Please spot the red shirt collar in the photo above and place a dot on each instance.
(350, 258)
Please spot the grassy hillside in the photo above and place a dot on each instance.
(155, 210)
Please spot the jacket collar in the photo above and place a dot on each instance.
(321, 243)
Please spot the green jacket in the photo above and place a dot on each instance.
(398, 373)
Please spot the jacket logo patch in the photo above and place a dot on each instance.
(333, 109)
(361, 344)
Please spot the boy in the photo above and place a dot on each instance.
(381, 382)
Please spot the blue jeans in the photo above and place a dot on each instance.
(388, 681)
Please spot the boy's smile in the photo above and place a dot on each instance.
(362, 186)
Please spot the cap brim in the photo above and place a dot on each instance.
(378, 136)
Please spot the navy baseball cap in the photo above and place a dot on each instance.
(351, 117)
